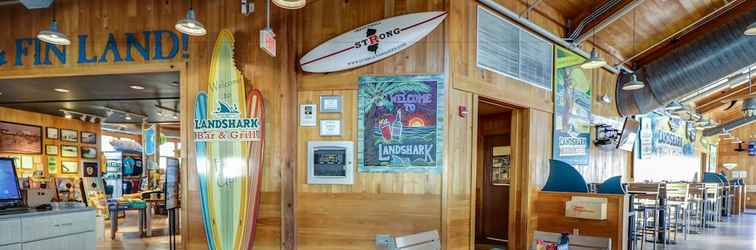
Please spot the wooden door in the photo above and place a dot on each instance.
(494, 218)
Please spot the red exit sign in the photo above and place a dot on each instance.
(268, 41)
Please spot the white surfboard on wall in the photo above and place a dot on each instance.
(371, 43)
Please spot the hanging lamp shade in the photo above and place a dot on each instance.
(52, 36)
(751, 30)
(633, 84)
(594, 62)
(190, 25)
(290, 4)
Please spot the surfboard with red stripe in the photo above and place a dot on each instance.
(371, 43)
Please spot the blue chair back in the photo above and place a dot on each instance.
(564, 178)
(612, 185)
(711, 178)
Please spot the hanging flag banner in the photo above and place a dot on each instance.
(228, 139)
(400, 126)
(572, 109)
(371, 43)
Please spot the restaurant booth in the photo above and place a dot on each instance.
(327, 154)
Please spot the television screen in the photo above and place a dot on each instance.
(9, 190)
(629, 134)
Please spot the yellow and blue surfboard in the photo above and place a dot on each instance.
(229, 171)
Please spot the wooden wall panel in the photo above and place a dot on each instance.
(349, 216)
(459, 171)
(275, 77)
(727, 154)
(43, 120)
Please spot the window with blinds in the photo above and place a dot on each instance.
(508, 49)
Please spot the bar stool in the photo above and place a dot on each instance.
(711, 204)
(677, 200)
(695, 207)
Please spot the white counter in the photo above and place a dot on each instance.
(71, 228)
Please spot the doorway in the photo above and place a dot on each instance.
(493, 174)
(92, 131)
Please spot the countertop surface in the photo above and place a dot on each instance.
(33, 212)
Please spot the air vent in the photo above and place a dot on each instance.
(507, 49)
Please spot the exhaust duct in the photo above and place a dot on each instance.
(690, 67)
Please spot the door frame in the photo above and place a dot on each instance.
(516, 173)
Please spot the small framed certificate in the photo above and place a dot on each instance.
(330, 104)
(308, 115)
(330, 127)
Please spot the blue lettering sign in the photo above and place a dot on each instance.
(83, 51)
(111, 46)
(2, 58)
(60, 54)
(143, 49)
(21, 49)
(159, 45)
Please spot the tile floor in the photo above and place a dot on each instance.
(734, 233)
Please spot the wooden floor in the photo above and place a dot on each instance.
(128, 235)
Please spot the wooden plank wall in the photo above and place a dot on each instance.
(275, 77)
(349, 216)
(727, 154)
(43, 120)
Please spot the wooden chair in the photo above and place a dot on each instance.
(420, 241)
(577, 242)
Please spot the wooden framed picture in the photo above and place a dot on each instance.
(89, 152)
(88, 137)
(69, 167)
(52, 165)
(51, 149)
(52, 133)
(69, 151)
(69, 135)
(20, 138)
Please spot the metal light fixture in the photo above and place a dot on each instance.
(189, 25)
(674, 105)
(751, 30)
(52, 35)
(594, 62)
(290, 4)
(634, 83)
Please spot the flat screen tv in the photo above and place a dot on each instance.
(628, 135)
(10, 192)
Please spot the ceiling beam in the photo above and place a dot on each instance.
(701, 26)
(608, 20)
(714, 101)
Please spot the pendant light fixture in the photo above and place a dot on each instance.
(52, 35)
(290, 4)
(751, 30)
(189, 25)
(595, 61)
(674, 106)
(634, 83)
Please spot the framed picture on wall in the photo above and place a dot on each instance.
(52, 165)
(51, 149)
(20, 138)
(89, 152)
(69, 135)
(69, 167)
(88, 137)
(69, 151)
(52, 133)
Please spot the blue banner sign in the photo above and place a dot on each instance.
(148, 46)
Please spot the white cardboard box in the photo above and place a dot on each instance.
(591, 208)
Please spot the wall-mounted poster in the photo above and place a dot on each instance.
(20, 138)
(90, 169)
(51, 149)
(52, 133)
(52, 165)
(89, 152)
(69, 135)
(69, 167)
(646, 138)
(88, 137)
(400, 126)
(572, 109)
(69, 151)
